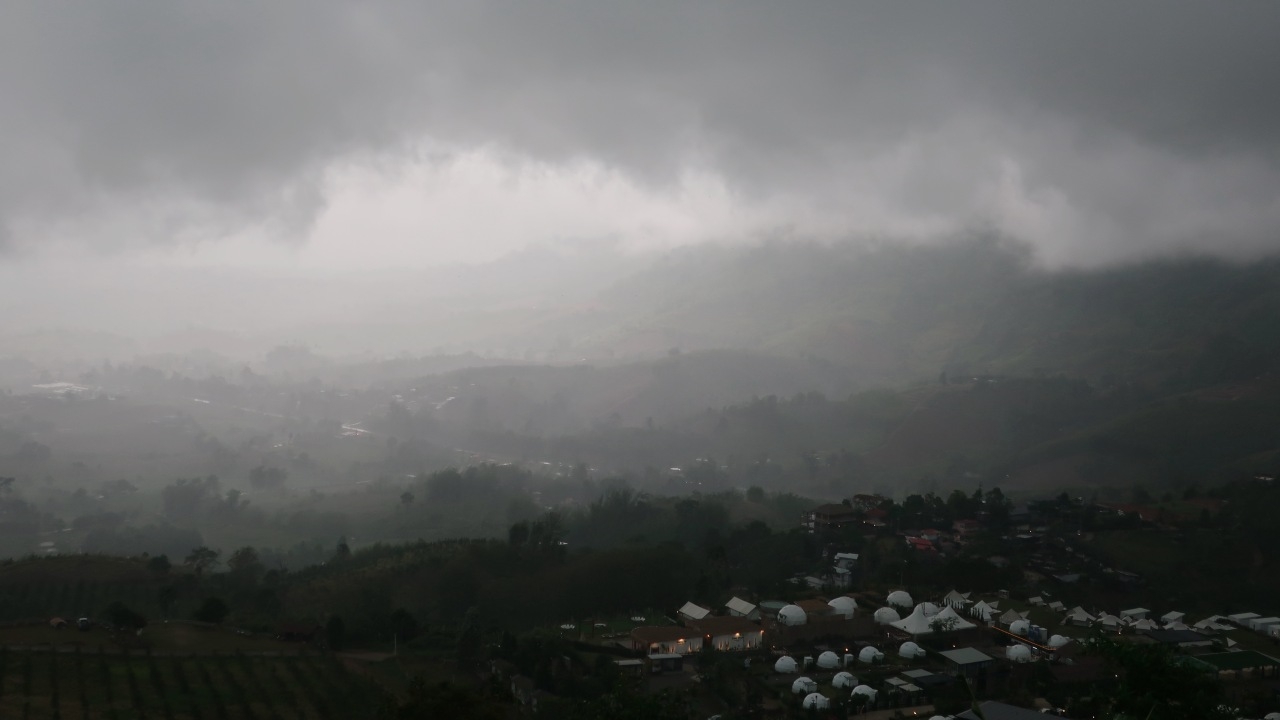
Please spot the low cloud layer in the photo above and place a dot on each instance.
(1096, 130)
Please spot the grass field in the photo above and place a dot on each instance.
(89, 685)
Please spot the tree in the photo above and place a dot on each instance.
(469, 640)
(755, 494)
(343, 551)
(122, 617)
(264, 477)
(159, 565)
(406, 498)
(201, 559)
(166, 596)
(335, 632)
(212, 610)
(243, 561)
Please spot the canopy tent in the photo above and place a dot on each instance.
(951, 619)
(1012, 616)
(983, 611)
(1109, 620)
(955, 598)
(1145, 624)
(917, 623)
(1078, 616)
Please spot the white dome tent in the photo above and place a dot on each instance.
(900, 598)
(1018, 653)
(803, 686)
(1058, 641)
(910, 650)
(868, 655)
(815, 701)
(1271, 716)
(886, 616)
(866, 690)
(792, 615)
(843, 680)
(785, 664)
(844, 605)
(828, 660)
(1020, 627)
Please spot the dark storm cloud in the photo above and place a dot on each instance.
(1107, 128)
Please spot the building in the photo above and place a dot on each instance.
(729, 633)
(665, 640)
(827, 517)
(967, 661)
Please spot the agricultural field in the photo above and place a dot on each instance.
(111, 686)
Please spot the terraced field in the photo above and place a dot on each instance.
(84, 684)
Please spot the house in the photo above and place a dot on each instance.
(1261, 624)
(730, 633)
(665, 640)
(737, 607)
(690, 612)
(966, 528)
(831, 516)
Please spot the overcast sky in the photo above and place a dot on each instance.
(327, 135)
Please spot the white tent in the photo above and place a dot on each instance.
(843, 605)
(983, 611)
(910, 650)
(1058, 641)
(1179, 625)
(692, 612)
(865, 690)
(1145, 624)
(886, 616)
(1078, 616)
(1057, 606)
(1271, 716)
(900, 598)
(917, 623)
(1109, 620)
(1011, 616)
(1020, 627)
(1137, 613)
(1018, 653)
(1173, 616)
(930, 609)
(785, 664)
(868, 655)
(955, 598)
(738, 607)
(951, 619)
(1213, 622)
(803, 685)
(1037, 600)
(843, 680)
(792, 615)
(828, 660)
(815, 701)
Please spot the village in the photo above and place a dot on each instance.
(851, 642)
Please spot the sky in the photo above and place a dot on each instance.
(323, 137)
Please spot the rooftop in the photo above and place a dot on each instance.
(992, 710)
(716, 626)
(966, 656)
(661, 633)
